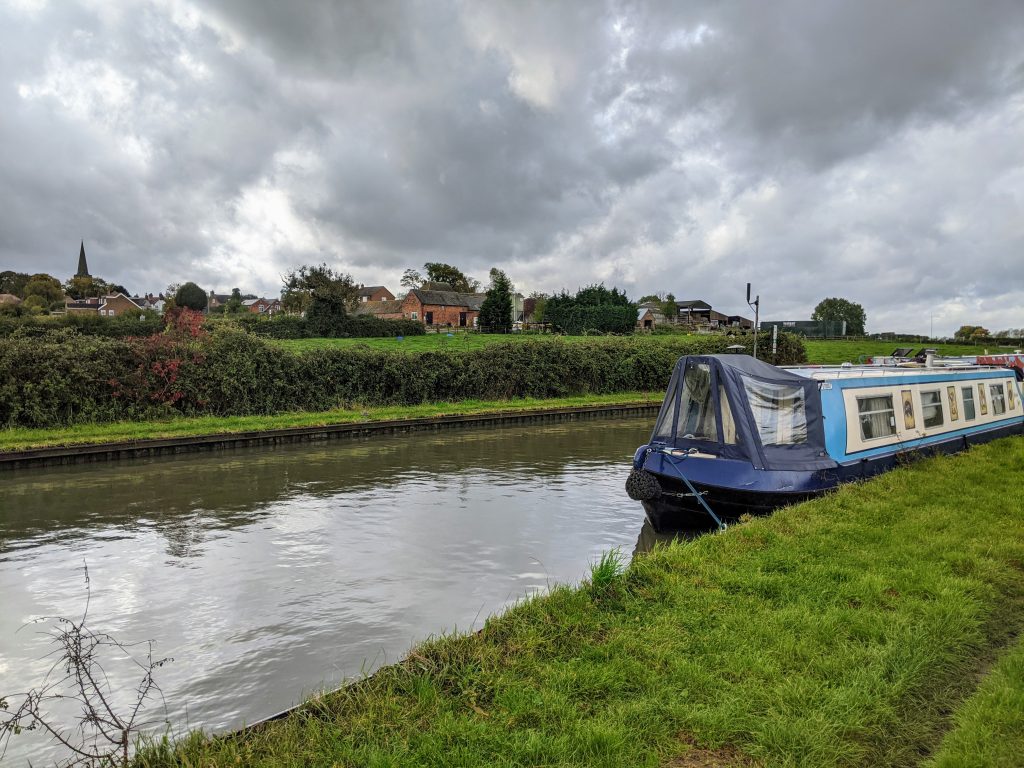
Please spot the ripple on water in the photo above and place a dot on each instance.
(271, 573)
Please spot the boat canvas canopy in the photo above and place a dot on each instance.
(741, 408)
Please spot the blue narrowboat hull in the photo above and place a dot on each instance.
(737, 436)
(734, 488)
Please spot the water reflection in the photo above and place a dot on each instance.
(650, 538)
(268, 573)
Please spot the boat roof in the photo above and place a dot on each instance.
(831, 372)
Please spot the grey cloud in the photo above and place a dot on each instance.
(814, 148)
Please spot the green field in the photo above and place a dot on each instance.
(848, 631)
(430, 341)
(818, 351)
(835, 351)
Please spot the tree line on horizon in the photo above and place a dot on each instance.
(326, 296)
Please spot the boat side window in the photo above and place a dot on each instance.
(968, 393)
(982, 400)
(667, 416)
(877, 417)
(931, 408)
(998, 399)
(778, 410)
(1010, 402)
(696, 409)
(728, 422)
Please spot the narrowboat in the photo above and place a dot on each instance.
(736, 435)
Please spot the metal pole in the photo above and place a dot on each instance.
(756, 304)
(757, 322)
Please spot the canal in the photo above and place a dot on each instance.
(268, 574)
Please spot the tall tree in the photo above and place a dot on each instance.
(835, 310)
(496, 310)
(446, 273)
(669, 308)
(411, 279)
(48, 290)
(540, 302)
(971, 333)
(233, 305)
(79, 287)
(14, 283)
(324, 294)
(597, 295)
(192, 296)
(592, 309)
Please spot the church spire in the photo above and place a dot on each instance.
(83, 268)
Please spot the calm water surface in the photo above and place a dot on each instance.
(271, 573)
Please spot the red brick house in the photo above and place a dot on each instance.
(267, 307)
(374, 293)
(437, 305)
(109, 306)
(443, 307)
(385, 310)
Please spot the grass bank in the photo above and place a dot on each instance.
(989, 730)
(95, 434)
(823, 352)
(840, 632)
(835, 351)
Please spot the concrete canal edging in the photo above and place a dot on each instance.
(130, 449)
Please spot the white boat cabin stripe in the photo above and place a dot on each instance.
(898, 413)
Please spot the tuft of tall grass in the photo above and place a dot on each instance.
(607, 569)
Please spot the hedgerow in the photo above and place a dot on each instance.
(65, 378)
(143, 323)
(350, 326)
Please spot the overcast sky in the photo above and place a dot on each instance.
(872, 150)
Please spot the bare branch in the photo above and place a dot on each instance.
(77, 676)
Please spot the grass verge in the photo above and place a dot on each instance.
(836, 351)
(989, 729)
(819, 351)
(93, 434)
(836, 633)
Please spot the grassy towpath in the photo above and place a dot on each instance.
(91, 434)
(840, 632)
(989, 729)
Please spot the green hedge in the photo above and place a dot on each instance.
(122, 326)
(579, 319)
(65, 378)
(353, 326)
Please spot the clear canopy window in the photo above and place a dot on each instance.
(668, 415)
(729, 435)
(696, 406)
(779, 411)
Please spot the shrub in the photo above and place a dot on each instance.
(64, 378)
(353, 326)
(579, 319)
(118, 327)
